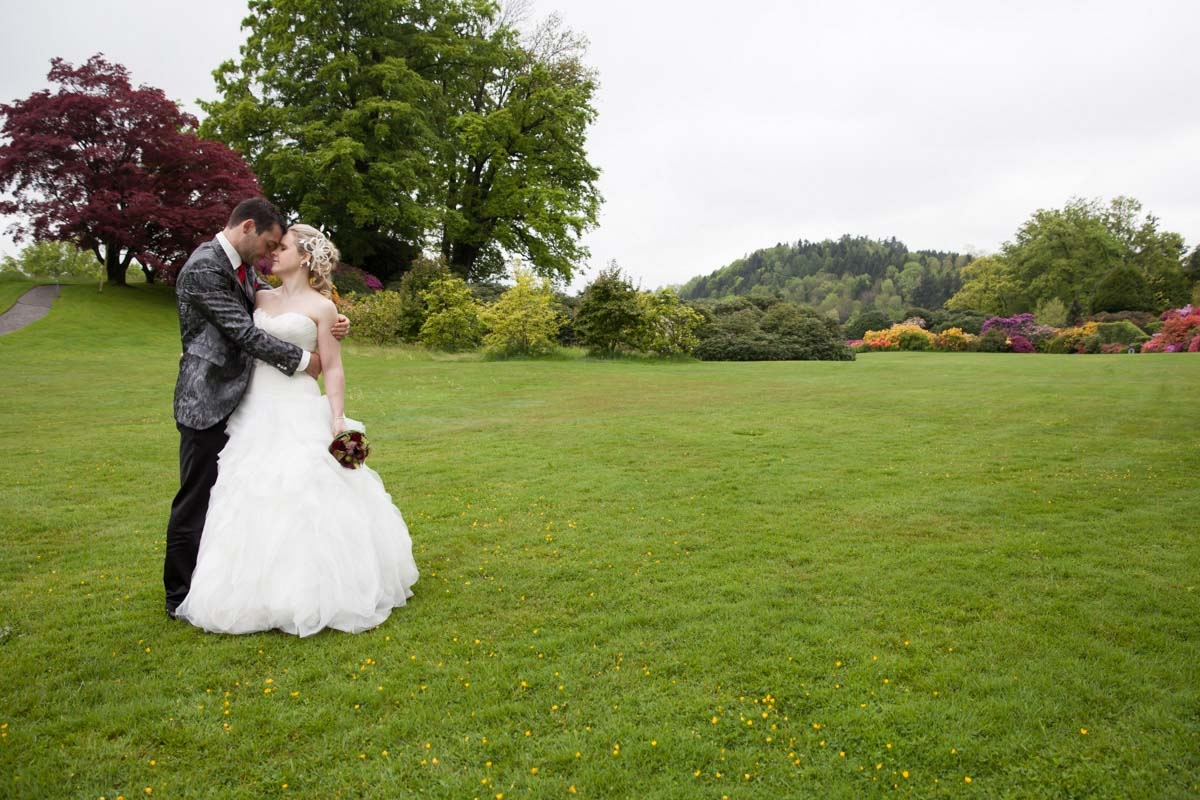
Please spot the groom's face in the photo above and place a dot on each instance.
(253, 246)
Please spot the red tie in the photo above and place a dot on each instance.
(242, 274)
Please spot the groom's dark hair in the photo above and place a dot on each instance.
(263, 212)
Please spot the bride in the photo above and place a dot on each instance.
(292, 539)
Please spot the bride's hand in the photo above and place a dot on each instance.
(339, 426)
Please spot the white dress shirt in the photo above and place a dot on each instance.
(235, 258)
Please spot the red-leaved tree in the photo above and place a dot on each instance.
(115, 170)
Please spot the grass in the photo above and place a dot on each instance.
(11, 289)
(638, 580)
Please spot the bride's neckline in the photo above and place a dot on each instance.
(269, 315)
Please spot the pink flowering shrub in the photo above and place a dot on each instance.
(1019, 344)
(1181, 328)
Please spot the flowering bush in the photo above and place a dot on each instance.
(1019, 344)
(1083, 339)
(953, 340)
(352, 279)
(1018, 324)
(1113, 348)
(1022, 325)
(1181, 328)
(904, 336)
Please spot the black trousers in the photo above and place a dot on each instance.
(198, 451)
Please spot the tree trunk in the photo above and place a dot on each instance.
(149, 273)
(462, 259)
(113, 267)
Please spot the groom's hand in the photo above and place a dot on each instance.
(314, 365)
(341, 327)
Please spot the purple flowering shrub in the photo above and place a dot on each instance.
(1022, 325)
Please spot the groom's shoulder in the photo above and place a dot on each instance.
(205, 253)
(207, 256)
(204, 266)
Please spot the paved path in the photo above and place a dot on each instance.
(29, 308)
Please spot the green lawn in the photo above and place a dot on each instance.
(11, 289)
(639, 580)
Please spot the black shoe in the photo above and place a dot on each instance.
(172, 613)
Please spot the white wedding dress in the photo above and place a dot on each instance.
(293, 540)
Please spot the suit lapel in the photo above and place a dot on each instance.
(246, 288)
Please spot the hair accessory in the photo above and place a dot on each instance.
(321, 251)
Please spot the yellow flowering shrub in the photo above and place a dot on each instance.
(954, 340)
(905, 336)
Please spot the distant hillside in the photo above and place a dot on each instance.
(839, 277)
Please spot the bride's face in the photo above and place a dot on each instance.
(287, 257)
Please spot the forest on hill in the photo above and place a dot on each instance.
(839, 278)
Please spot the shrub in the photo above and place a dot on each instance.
(608, 317)
(523, 321)
(352, 280)
(1052, 313)
(783, 332)
(413, 310)
(953, 340)
(452, 322)
(1179, 330)
(905, 336)
(1019, 344)
(967, 321)
(374, 317)
(1139, 318)
(1020, 325)
(1123, 333)
(667, 326)
(911, 340)
(865, 321)
(1075, 340)
(992, 340)
(1113, 347)
(922, 317)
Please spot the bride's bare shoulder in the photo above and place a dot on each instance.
(322, 309)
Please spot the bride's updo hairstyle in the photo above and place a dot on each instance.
(320, 256)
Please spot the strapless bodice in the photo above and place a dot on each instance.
(290, 326)
(297, 329)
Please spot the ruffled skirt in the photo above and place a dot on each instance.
(292, 539)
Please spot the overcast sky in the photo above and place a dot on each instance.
(725, 127)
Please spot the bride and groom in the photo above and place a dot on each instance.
(268, 530)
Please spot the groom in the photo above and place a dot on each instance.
(215, 292)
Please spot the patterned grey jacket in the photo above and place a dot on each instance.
(220, 341)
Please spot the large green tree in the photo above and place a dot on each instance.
(514, 175)
(401, 125)
(1070, 253)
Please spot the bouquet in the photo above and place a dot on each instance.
(350, 447)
